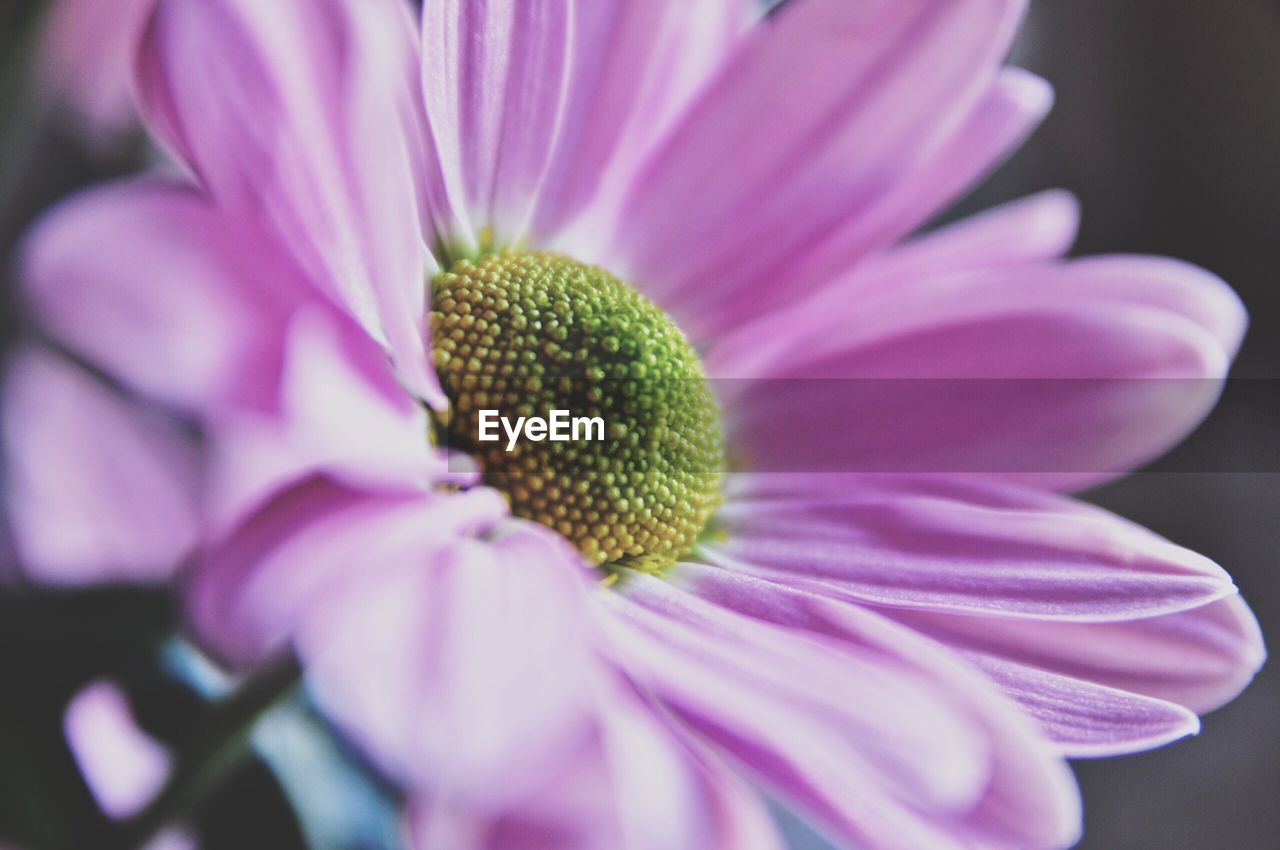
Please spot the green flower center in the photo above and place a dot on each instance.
(523, 335)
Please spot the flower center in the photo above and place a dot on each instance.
(527, 334)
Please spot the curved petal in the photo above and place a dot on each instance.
(1061, 375)
(937, 544)
(874, 750)
(151, 283)
(97, 489)
(464, 669)
(302, 117)
(1199, 659)
(1030, 800)
(495, 75)
(420, 622)
(1088, 720)
(855, 94)
(1013, 107)
(246, 595)
(632, 786)
(123, 767)
(693, 800)
(635, 66)
(1101, 679)
(340, 412)
(1027, 232)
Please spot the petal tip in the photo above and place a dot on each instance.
(1031, 93)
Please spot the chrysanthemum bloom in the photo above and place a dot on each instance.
(390, 227)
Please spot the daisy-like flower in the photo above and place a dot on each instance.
(391, 226)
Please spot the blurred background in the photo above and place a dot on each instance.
(1167, 127)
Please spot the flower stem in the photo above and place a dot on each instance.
(212, 752)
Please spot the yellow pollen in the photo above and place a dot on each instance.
(519, 334)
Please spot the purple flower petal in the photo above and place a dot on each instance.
(248, 594)
(1088, 720)
(634, 68)
(123, 768)
(283, 383)
(1110, 636)
(495, 76)
(1015, 105)
(1028, 232)
(97, 489)
(670, 796)
(1063, 375)
(124, 273)
(824, 108)
(1200, 659)
(418, 638)
(462, 670)
(948, 545)
(174, 838)
(339, 412)
(302, 117)
(633, 785)
(1030, 800)
(875, 750)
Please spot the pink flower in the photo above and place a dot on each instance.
(123, 767)
(904, 658)
(85, 61)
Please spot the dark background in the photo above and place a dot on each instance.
(1168, 129)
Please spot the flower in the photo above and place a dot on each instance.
(904, 651)
(123, 767)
